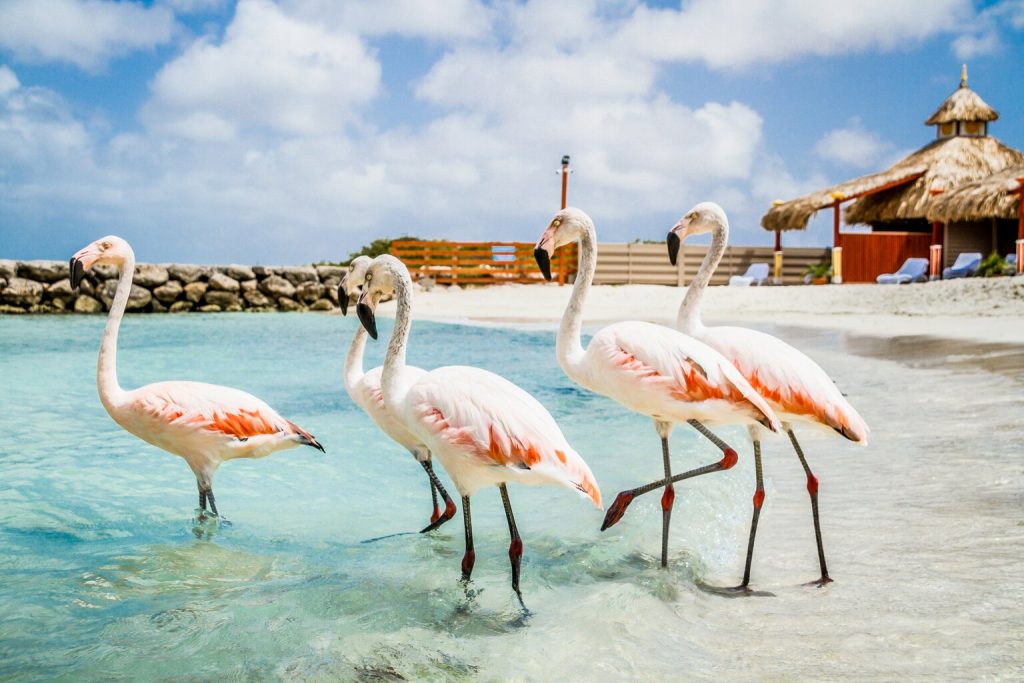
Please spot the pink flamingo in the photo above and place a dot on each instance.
(648, 368)
(794, 385)
(364, 390)
(203, 423)
(483, 429)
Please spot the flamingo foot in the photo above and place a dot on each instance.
(617, 509)
(820, 583)
(449, 512)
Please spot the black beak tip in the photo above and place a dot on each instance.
(367, 319)
(673, 247)
(77, 273)
(343, 299)
(543, 262)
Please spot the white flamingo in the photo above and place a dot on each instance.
(648, 368)
(205, 424)
(364, 390)
(484, 429)
(794, 385)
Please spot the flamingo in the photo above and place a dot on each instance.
(648, 368)
(796, 387)
(483, 428)
(364, 390)
(203, 423)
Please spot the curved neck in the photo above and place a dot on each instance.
(688, 320)
(394, 359)
(110, 390)
(354, 359)
(569, 347)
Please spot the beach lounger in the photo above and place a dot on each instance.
(912, 270)
(1011, 264)
(966, 264)
(756, 274)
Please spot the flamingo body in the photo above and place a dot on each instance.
(367, 394)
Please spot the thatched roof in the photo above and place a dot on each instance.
(986, 198)
(904, 191)
(963, 105)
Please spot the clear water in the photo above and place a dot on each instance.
(102, 575)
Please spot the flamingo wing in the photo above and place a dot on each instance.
(686, 369)
(498, 424)
(217, 410)
(789, 379)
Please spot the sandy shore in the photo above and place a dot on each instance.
(978, 309)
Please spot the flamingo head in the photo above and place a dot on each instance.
(110, 249)
(385, 275)
(351, 285)
(565, 228)
(705, 217)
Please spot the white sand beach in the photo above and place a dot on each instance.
(990, 310)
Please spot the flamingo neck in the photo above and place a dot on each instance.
(569, 347)
(111, 393)
(688, 321)
(354, 359)
(394, 359)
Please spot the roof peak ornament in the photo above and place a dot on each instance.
(963, 76)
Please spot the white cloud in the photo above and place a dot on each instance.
(195, 6)
(742, 33)
(415, 18)
(853, 146)
(85, 33)
(982, 35)
(269, 71)
(8, 80)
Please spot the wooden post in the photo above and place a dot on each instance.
(1020, 226)
(837, 245)
(565, 178)
(935, 252)
(777, 278)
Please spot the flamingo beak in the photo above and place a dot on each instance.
(343, 297)
(544, 251)
(81, 262)
(77, 272)
(366, 316)
(674, 242)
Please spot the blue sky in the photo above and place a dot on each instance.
(286, 132)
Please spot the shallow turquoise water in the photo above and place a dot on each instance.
(102, 575)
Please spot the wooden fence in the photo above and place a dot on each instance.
(635, 263)
(480, 262)
(617, 264)
(867, 255)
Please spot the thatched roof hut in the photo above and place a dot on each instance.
(991, 197)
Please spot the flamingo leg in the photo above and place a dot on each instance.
(622, 501)
(439, 518)
(515, 548)
(469, 559)
(758, 502)
(433, 499)
(667, 499)
(202, 499)
(213, 503)
(812, 489)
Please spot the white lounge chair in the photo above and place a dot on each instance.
(756, 274)
(912, 270)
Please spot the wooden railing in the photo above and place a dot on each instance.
(619, 264)
(480, 262)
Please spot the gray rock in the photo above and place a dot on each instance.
(276, 286)
(239, 272)
(194, 291)
(87, 287)
(308, 292)
(86, 304)
(61, 291)
(7, 309)
(256, 298)
(223, 283)
(209, 308)
(264, 271)
(322, 305)
(157, 307)
(104, 271)
(8, 268)
(169, 292)
(181, 306)
(327, 272)
(297, 274)
(222, 298)
(22, 292)
(43, 271)
(187, 272)
(3, 283)
(138, 299)
(233, 308)
(58, 305)
(150, 275)
(286, 304)
(248, 285)
(331, 289)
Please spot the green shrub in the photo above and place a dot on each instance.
(992, 265)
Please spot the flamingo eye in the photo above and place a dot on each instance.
(555, 223)
(105, 245)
